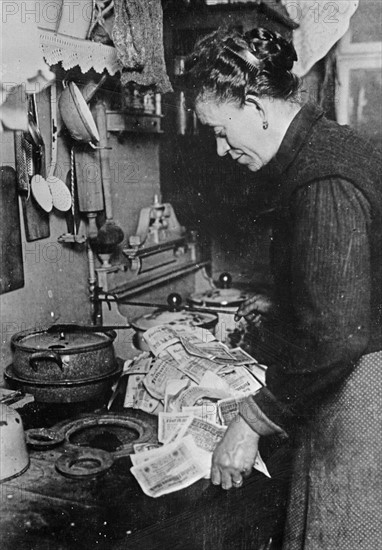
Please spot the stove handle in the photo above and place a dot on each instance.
(36, 358)
(225, 280)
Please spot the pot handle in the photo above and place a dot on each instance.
(38, 356)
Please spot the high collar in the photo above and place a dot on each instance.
(295, 137)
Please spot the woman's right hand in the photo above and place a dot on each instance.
(254, 308)
(235, 455)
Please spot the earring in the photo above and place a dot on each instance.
(265, 125)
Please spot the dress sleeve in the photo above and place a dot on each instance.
(330, 277)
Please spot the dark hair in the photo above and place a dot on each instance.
(230, 65)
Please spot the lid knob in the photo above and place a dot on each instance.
(225, 280)
(174, 301)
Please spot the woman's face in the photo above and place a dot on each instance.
(239, 132)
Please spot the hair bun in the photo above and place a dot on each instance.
(271, 48)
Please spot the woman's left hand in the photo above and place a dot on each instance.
(234, 455)
(254, 308)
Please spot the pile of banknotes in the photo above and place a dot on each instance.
(194, 384)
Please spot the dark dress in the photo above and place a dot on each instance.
(324, 387)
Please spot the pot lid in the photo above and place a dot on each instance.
(62, 342)
(219, 297)
(163, 317)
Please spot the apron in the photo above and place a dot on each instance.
(335, 499)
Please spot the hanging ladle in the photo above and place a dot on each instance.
(61, 197)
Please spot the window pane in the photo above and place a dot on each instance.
(365, 109)
(366, 22)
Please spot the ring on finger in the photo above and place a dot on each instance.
(237, 483)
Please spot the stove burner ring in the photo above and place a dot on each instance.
(43, 438)
(144, 432)
(83, 462)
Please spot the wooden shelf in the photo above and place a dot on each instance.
(142, 123)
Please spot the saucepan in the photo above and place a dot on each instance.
(65, 366)
(66, 355)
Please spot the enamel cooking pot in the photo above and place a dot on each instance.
(64, 391)
(68, 356)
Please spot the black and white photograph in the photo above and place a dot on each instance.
(191, 275)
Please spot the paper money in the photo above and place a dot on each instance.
(260, 465)
(216, 382)
(192, 366)
(133, 384)
(144, 401)
(202, 456)
(177, 352)
(207, 410)
(194, 334)
(228, 408)
(218, 352)
(241, 381)
(174, 389)
(145, 455)
(139, 365)
(126, 366)
(159, 338)
(195, 385)
(194, 348)
(164, 368)
(205, 434)
(258, 371)
(195, 395)
(214, 350)
(171, 423)
(143, 447)
(241, 357)
(177, 468)
(196, 367)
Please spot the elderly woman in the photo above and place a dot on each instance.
(325, 387)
